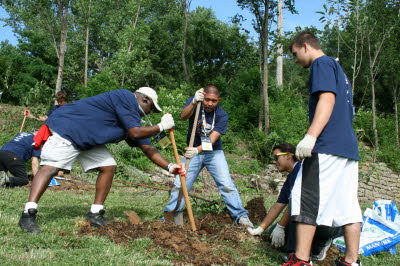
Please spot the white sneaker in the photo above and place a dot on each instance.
(244, 220)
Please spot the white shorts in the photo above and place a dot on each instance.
(325, 191)
(59, 152)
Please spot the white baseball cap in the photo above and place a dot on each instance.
(152, 94)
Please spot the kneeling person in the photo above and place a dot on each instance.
(283, 233)
(13, 156)
(80, 131)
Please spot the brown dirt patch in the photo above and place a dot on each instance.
(72, 184)
(199, 248)
(256, 210)
(331, 255)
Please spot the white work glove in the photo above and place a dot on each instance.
(176, 169)
(305, 147)
(255, 232)
(167, 122)
(278, 236)
(191, 152)
(198, 96)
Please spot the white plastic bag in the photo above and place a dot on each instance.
(380, 230)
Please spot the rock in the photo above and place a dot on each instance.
(133, 218)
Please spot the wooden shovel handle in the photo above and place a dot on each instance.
(183, 183)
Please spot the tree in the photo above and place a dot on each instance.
(263, 11)
(380, 25)
(185, 8)
(63, 7)
(279, 59)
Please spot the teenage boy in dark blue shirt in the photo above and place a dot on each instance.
(80, 131)
(13, 156)
(325, 191)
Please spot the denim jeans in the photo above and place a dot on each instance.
(216, 164)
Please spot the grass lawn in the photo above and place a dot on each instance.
(60, 243)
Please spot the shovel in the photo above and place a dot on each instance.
(177, 217)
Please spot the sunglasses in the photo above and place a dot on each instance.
(276, 156)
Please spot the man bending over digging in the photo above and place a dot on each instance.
(80, 131)
(207, 152)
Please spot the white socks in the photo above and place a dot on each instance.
(96, 208)
(30, 205)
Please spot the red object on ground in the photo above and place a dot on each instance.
(26, 112)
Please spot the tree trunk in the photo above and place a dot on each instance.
(185, 8)
(261, 112)
(134, 23)
(63, 6)
(396, 115)
(279, 59)
(376, 141)
(87, 44)
(265, 67)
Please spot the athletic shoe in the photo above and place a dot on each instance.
(294, 261)
(342, 262)
(4, 180)
(96, 219)
(244, 220)
(322, 254)
(27, 222)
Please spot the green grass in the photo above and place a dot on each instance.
(60, 243)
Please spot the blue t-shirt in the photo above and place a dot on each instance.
(101, 119)
(337, 138)
(137, 142)
(21, 145)
(220, 124)
(53, 108)
(288, 185)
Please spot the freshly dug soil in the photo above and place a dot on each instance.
(202, 247)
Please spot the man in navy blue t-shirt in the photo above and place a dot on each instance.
(207, 152)
(13, 156)
(325, 191)
(80, 131)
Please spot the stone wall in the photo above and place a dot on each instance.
(377, 181)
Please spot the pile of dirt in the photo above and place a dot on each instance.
(202, 247)
(188, 246)
(256, 210)
(72, 184)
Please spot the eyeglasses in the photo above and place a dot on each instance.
(279, 154)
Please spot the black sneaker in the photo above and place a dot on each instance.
(27, 222)
(96, 219)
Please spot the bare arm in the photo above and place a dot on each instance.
(143, 132)
(35, 165)
(284, 221)
(154, 155)
(272, 214)
(323, 112)
(188, 111)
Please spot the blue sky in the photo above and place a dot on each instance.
(224, 10)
